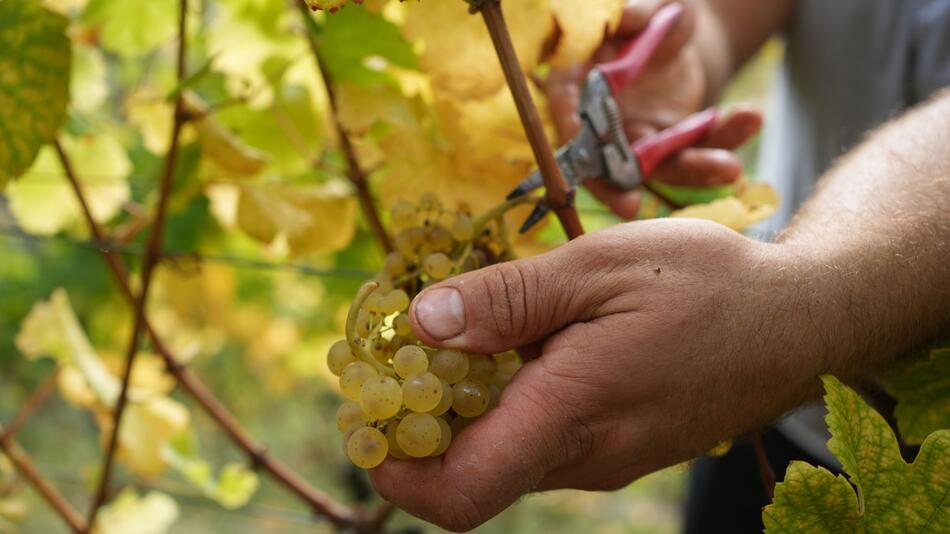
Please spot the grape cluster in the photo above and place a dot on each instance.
(405, 399)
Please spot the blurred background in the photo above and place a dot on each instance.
(255, 322)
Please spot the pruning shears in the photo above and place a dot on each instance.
(601, 148)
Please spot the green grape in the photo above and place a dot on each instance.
(394, 450)
(381, 350)
(353, 377)
(507, 362)
(348, 414)
(404, 214)
(385, 284)
(469, 399)
(381, 397)
(438, 266)
(446, 437)
(481, 369)
(373, 302)
(422, 392)
(367, 447)
(410, 360)
(418, 435)
(349, 433)
(462, 229)
(395, 265)
(402, 325)
(449, 365)
(408, 241)
(339, 356)
(438, 239)
(494, 396)
(445, 402)
(364, 323)
(429, 202)
(459, 424)
(397, 300)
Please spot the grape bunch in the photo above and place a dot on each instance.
(405, 399)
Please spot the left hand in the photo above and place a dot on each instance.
(653, 340)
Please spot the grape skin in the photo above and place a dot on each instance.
(410, 360)
(367, 447)
(481, 369)
(470, 399)
(353, 377)
(381, 397)
(422, 392)
(445, 403)
(438, 266)
(394, 450)
(446, 439)
(348, 414)
(402, 325)
(418, 435)
(449, 365)
(339, 356)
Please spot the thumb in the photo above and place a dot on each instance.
(510, 304)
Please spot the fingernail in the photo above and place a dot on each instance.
(441, 313)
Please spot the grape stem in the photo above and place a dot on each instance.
(352, 339)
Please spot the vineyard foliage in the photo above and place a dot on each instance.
(261, 179)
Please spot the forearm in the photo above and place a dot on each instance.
(729, 32)
(874, 243)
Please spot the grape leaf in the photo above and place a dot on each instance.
(88, 87)
(922, 390)
(583, 28)
(34, 82)
(751, 205)
(221, 145)
(233, 488)
(888, 496)
(457, 51)
(313, 219)
(44, 203)
(131, 29)
(128, 513)
(349, 39)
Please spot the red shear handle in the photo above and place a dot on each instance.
(654, 149)
(637, 54)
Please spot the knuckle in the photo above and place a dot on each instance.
(507, 287)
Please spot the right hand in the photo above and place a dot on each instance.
(673, 86)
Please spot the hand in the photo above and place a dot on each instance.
(673, 87)
(654, 341)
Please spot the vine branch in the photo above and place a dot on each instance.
(319, 502)
(24, 465)
(354, 171)
(765, 469)
(152, 256)
(37, 398)
(559, 194)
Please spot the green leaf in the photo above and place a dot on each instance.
(34, 82)
(352, 36)
(888, 496)
(133, 28)
(922, 390)
(233, 488)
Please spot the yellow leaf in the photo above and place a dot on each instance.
(43, 201)
(457, 50)
(360, 107)
(583, 27)
(221, 145)
(155, 513)
(147, 110)
(313, 219)
(75, 389)
(52, 330)
(147, 427)
(88, 87)
(753, 205)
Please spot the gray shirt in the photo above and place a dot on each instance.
(850, 65)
